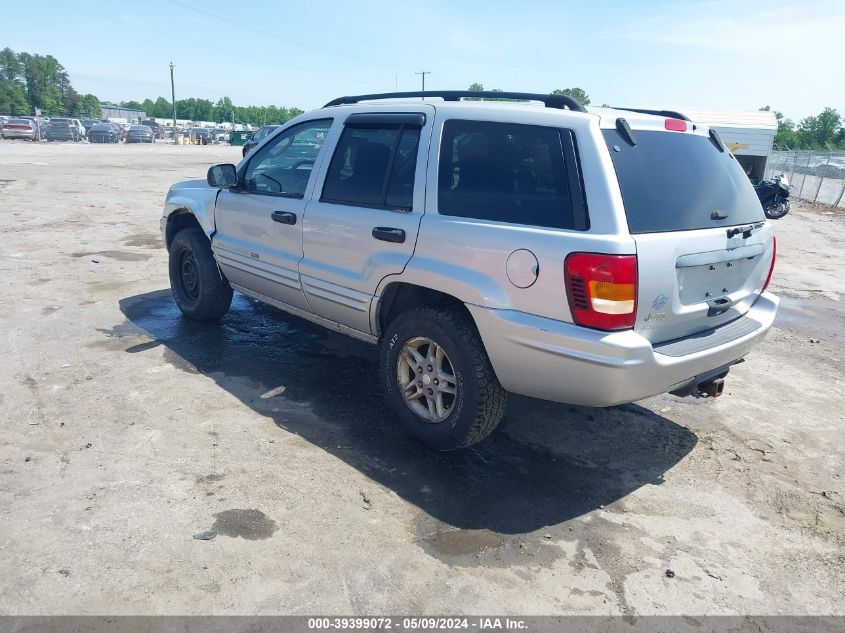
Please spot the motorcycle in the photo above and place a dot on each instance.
(774, 196)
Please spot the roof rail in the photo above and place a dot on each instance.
(671, 114)
(550, 101)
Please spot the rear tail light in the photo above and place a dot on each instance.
(772, 265)
(602, 290)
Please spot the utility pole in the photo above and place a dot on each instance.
(423, 73)
(173, 97)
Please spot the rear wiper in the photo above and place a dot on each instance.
(745, 230)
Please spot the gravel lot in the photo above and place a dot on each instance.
(127, 430)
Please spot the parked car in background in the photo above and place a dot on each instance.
(155, 126)
(118, 128)
(103, 133)
(203, 134)
(88, 124)
(259, 135)
(220, 135)
(140, 134)
(61, 129)
(21, 128)
(40, 123)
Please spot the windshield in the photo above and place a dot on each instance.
(679, 182)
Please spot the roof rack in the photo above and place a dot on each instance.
(671, 114)
(550, 101)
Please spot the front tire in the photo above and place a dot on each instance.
(199, 288)
(438, 379)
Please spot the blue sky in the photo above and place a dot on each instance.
(648, 53)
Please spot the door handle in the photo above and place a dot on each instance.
(388, 234)
(283, 217)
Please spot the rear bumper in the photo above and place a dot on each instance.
(18, 134)
(562, 362)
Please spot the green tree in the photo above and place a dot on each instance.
(576, 93)
(475, 87)
(50, 101)
(162, 108)
(820, 130)
(786, 136)
(10, 67)
(13, 98)
(89, 106)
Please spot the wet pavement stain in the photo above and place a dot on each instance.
(252, 525)
(464, 542)
(123, 256)
(48, 310)
(122, 343)
(144, 240)
(209, 479)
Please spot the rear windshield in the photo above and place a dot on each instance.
(679, 182)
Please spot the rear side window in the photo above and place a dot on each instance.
(674, 181)
(508, 173)
(374, 166)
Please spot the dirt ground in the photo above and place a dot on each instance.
(126, 430)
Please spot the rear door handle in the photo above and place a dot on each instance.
(389, 234)
(284, 217)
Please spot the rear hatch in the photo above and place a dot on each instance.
(703, 247)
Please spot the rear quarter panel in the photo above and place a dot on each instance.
(467, 258)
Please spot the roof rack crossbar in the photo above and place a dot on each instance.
(670, 114)
(550, 101)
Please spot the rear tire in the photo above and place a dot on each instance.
(436, 350)
(199, 288)
(775, 209)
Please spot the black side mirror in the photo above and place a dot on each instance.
(224, 175)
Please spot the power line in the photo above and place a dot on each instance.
(228, 20)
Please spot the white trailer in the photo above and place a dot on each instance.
(748, 133)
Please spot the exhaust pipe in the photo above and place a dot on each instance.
(711, 388)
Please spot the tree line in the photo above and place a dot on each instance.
(219, 111)
(813, 132)
(576, 93)
(35, 81)
(29, 81)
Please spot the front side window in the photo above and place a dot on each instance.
(284, 165)
(504, 172)
(374, 166)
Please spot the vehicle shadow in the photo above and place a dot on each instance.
(547, 464)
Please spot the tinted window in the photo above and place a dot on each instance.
(504, 172)
(284, 165)
(674, 181)
(374, 166)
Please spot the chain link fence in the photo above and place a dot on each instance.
(813, 175)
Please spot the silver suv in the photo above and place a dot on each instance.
(594, 257)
